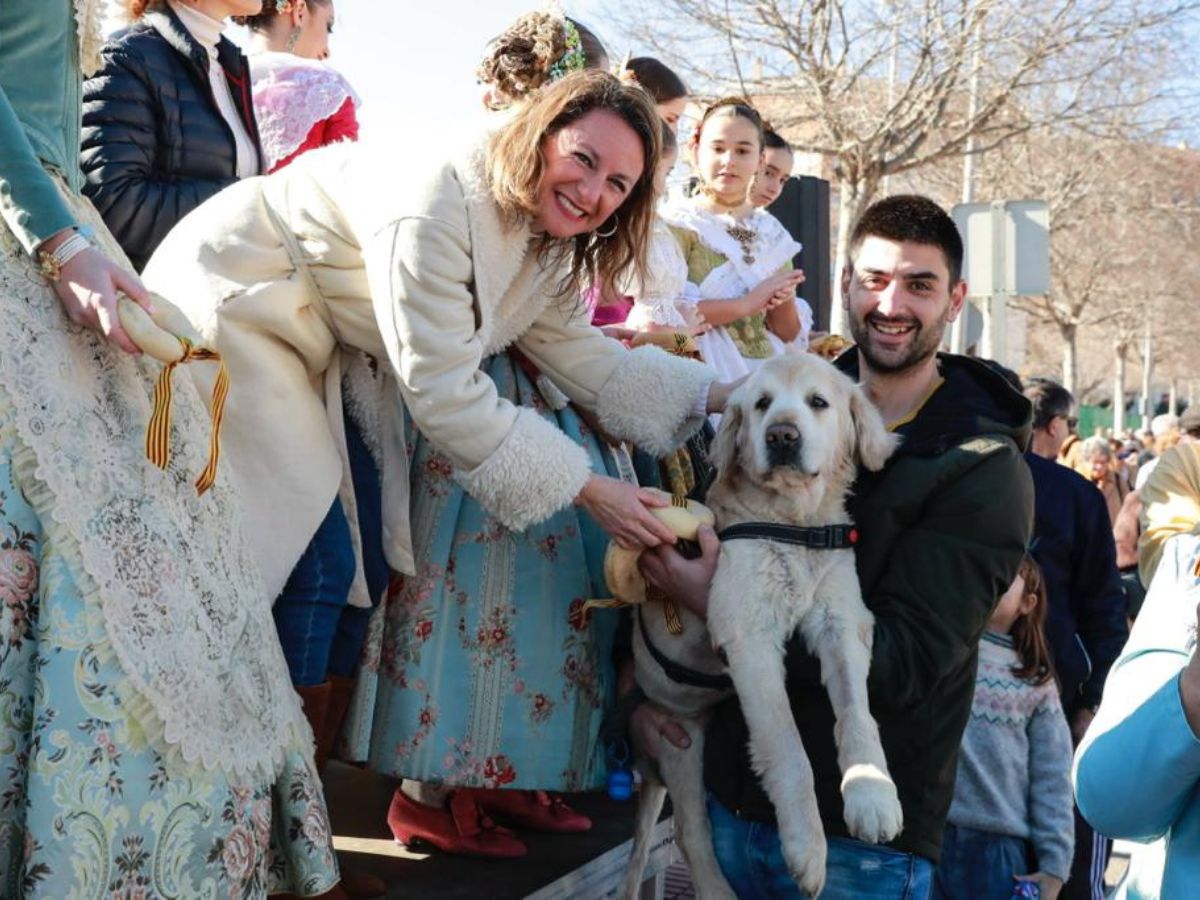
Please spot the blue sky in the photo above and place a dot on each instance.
(413, 62)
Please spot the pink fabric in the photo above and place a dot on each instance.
(341, 126)
(612, 313)
(300, 104)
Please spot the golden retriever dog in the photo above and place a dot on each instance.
(786, 454)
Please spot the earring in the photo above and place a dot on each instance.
(607, 234)
(293, 39)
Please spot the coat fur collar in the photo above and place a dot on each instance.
(499, 255)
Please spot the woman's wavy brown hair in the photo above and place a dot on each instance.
(517, 62)
(516, 165)
(1029, 631)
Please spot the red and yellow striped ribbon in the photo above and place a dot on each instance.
(158, 433)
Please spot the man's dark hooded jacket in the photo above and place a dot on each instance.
(943, 528)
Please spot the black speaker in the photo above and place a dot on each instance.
(803, 208)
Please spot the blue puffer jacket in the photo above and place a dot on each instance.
(155, 145)
(1073, 543)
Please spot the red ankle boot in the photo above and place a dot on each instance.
(537, 810)
(461, 829)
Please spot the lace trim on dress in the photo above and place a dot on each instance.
(89, 21)
(665, 284)
(772, 245)
(291, 95)
(168, 572)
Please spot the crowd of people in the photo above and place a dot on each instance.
(362, 512)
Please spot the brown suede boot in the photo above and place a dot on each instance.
(341, 689)
(338, 690)
(315, 700)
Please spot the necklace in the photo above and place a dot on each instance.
(716, 201)
(745, 236)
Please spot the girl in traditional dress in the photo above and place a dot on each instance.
(150, 741)
(663, 299)
(301, 102)
(777, 164)
(739, 257)
(484, 672)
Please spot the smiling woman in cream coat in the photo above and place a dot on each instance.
(483, 672)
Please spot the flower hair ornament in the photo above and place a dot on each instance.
(573, 58)
(282, 7)
(625, 74)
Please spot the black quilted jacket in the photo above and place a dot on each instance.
(154, 143)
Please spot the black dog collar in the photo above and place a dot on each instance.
(824, 537)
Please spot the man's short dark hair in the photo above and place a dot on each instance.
(1049, 399)
(911, 217)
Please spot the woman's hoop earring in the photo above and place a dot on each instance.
(292, 41)
(607, 234)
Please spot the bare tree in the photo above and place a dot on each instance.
(884, 87)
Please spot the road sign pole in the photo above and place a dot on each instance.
(995, 330)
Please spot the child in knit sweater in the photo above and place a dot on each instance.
(1011, 818)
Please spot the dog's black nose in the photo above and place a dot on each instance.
(784, 433)
(783, 445)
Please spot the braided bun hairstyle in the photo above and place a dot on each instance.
(518, 61)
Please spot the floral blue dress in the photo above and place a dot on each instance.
(482, 669)
(87, 806)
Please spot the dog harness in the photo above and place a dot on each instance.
(682, 674)
(823, 537)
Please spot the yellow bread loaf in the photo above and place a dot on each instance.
(156, 335)
(621, 574)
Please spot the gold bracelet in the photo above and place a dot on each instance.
(51, 262)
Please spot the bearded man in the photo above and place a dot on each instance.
(942, 528)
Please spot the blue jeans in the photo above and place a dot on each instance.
(752, 861)
(979, 865)
(320, 634)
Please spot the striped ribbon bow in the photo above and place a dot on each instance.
(158, 433)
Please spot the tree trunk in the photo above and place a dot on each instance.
(1070, 357)
(1118, 402)
(851, 199)
(1147, 375)
(1173, 402)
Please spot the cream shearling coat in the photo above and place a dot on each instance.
(293, 275)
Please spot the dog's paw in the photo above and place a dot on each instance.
(872, 808)
(806, 863)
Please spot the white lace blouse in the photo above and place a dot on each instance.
(657, 298)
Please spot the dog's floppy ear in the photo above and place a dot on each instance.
(875, 443)
(724, 450)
